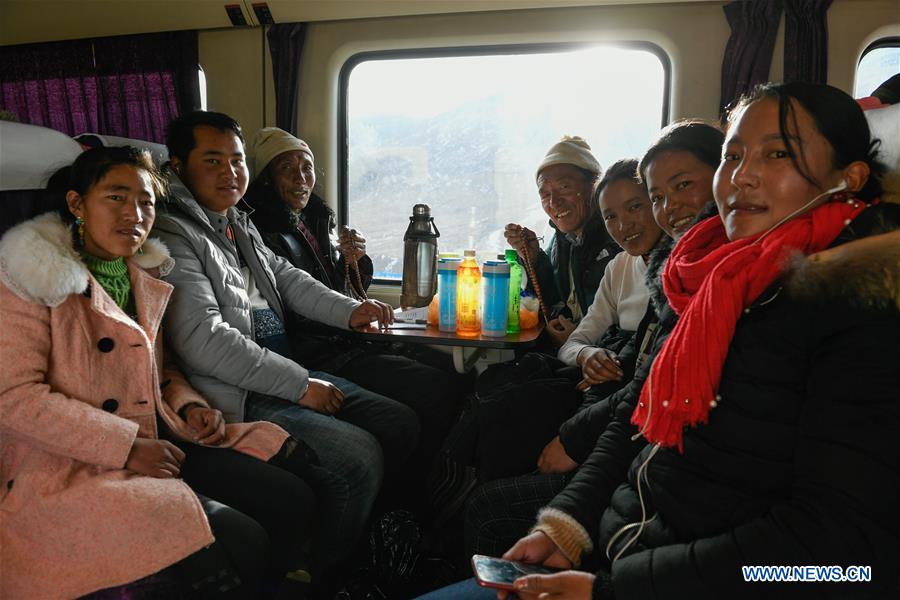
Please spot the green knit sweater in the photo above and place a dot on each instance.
(112, 275)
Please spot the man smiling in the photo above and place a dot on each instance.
(570, 270)
(226, 320)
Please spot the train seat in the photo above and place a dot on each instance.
(93, 140)
(29, 155)
(885, 125)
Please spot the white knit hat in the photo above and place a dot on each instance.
(570, 150)
(268, 143)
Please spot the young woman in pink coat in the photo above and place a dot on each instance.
(90, 494)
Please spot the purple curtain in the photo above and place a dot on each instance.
(129, 86)
(748, 54)
(53, 85)
(806, 40)
(285, 46)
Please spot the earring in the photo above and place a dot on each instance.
(80, 223)
(141, 250)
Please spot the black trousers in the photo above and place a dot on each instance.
(430, 392)
(231, 568)
(501, 512)
(273, 495)
(422, 378)
(260, 514)
(234, 566)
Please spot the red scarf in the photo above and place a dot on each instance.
(709, 281)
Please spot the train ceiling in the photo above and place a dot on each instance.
(26, 21)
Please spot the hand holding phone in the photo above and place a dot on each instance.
(500, 573)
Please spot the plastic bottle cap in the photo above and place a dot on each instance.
(511, 254)
(449, 264)
(469, 254)
(496, 266)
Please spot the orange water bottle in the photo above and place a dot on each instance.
(468, 289)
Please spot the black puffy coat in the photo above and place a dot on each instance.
(798, 464)
(315, 345)
(588, 261)
(599, 435)
(580, 433)
(270, 215)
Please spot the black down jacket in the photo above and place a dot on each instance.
(315, 345)
(799, 463)
(588, 260)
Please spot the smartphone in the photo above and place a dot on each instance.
(499, 573)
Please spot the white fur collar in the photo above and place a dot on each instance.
(39, 264)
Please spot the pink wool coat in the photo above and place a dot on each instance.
(79, 380)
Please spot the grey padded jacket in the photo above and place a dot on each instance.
(209, 324)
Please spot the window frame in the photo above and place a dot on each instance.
(891, 41)
(457, 51)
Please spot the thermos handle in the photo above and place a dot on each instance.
(435, 227)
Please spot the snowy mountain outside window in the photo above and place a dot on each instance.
(464, 135)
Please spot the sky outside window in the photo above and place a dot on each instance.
(464, 135)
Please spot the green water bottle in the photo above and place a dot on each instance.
(515, 288)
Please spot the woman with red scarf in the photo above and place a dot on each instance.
(772, 412)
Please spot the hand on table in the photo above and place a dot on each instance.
(372, 310)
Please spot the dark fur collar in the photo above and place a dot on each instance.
(653, 277)
(658, 258)
(862, 267)
(859, 266)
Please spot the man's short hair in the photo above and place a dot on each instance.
(180, 132)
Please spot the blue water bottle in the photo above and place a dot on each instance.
(495, 277)
(446, 271)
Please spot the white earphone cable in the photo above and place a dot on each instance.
(838, 188)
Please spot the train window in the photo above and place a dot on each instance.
(879, 62)
(463, 133)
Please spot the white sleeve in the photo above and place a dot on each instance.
(602, 313)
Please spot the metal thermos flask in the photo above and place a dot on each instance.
(419, 259)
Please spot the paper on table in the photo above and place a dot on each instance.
(411, 315)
